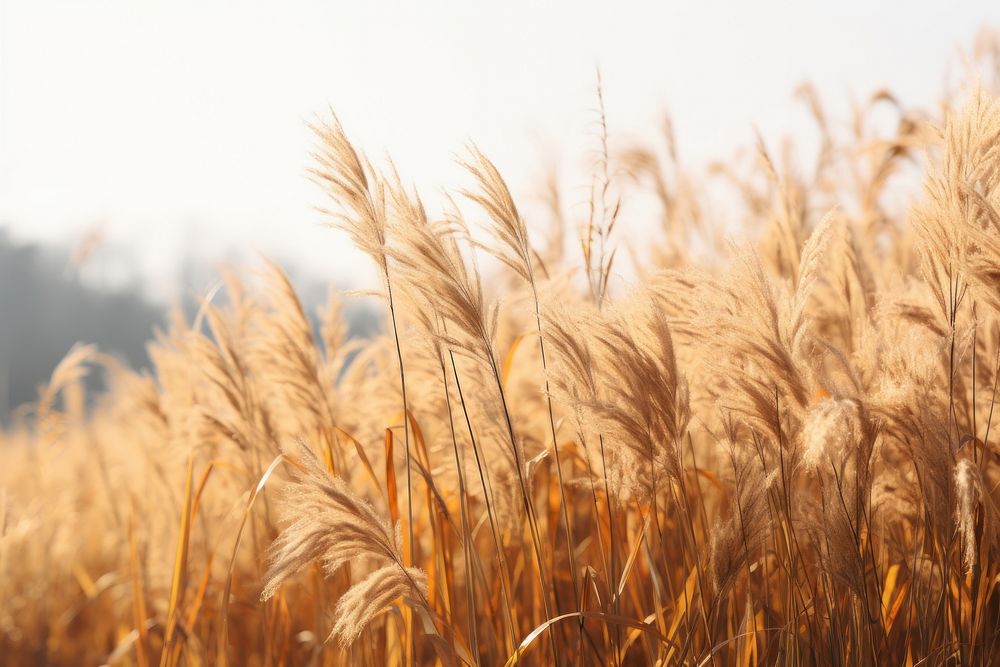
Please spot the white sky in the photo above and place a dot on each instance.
(180, 125)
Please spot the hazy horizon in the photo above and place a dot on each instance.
(181, 131)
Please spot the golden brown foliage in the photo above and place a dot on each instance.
(777, 451)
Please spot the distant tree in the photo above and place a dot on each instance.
(44, 311)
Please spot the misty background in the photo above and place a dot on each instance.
(44, 310)
(48, 304)
(169, 138)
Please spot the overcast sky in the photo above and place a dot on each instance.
(180, 126)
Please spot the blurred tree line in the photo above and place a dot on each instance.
(45, 309)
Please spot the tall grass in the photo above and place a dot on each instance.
(779, 451)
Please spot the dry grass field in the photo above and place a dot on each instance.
(626, 448)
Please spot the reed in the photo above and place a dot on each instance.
(777, 450)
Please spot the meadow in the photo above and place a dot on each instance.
(763, 439)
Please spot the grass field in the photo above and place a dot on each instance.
(629, 448)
